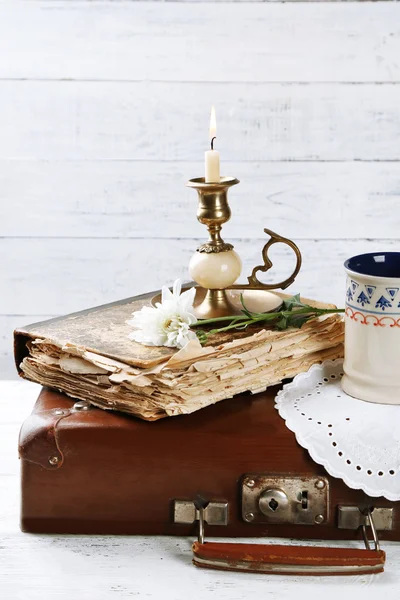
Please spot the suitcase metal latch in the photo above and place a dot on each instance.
(276, 499)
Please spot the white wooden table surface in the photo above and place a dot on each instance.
(113, 567)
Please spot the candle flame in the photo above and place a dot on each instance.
(213, 123)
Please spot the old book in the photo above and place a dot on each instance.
(89, 356)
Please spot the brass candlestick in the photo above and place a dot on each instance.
(216, 266)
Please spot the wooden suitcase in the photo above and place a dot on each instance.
(234, 465)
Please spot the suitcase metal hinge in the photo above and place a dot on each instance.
(278, 499)
(215, 513)
(351, 517)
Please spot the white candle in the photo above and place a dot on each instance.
(212, 156)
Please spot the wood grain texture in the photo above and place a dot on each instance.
(124, 199)
(83, 273)
(40, 567)
(104, 115)
(185, 41)
(90, 272)
(169, 121)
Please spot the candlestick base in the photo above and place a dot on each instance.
(215, 304)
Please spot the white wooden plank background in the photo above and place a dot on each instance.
(49, 567)
(102, 270)
(104, 115)
(169, 121)
(136, 41)
(124, 198)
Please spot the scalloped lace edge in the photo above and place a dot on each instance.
(318, 459)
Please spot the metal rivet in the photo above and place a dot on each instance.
(249, 516)
(59, 411)
(319, 519)
(53, 460)
(81, 405)
(320, 484)
(250, 483)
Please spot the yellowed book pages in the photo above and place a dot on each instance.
(88, 356)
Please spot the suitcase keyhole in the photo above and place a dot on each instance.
(304, 500)
(273, 500)
(273, 504)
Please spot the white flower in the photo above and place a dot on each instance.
(167, 324)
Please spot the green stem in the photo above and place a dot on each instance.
(218, 319)
(268, 316)
(294, 314)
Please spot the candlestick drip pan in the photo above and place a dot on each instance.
(261, 301)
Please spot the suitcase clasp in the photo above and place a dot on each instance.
(277, 499)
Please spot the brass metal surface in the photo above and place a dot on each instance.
(215, 303)
(258, 300)
(219, 246)
(254, 282)
(213, 210)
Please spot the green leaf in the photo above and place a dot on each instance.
(294, 313)
(282, 323)
(299, 320)
(293, 302)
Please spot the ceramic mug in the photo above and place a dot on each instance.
(372, 328)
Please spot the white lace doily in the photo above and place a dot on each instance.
(356, 441)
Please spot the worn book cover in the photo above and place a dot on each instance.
(89, 356)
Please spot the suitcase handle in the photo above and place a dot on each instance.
(289, 560)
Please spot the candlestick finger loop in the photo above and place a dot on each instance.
(254, 282)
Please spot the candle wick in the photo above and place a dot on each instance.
(212, 142)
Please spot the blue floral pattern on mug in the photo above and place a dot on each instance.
(372, 298)
(363, 299)
(383, 303)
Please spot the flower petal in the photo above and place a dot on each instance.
(166, 294)
(177, 287)
(187, 298)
